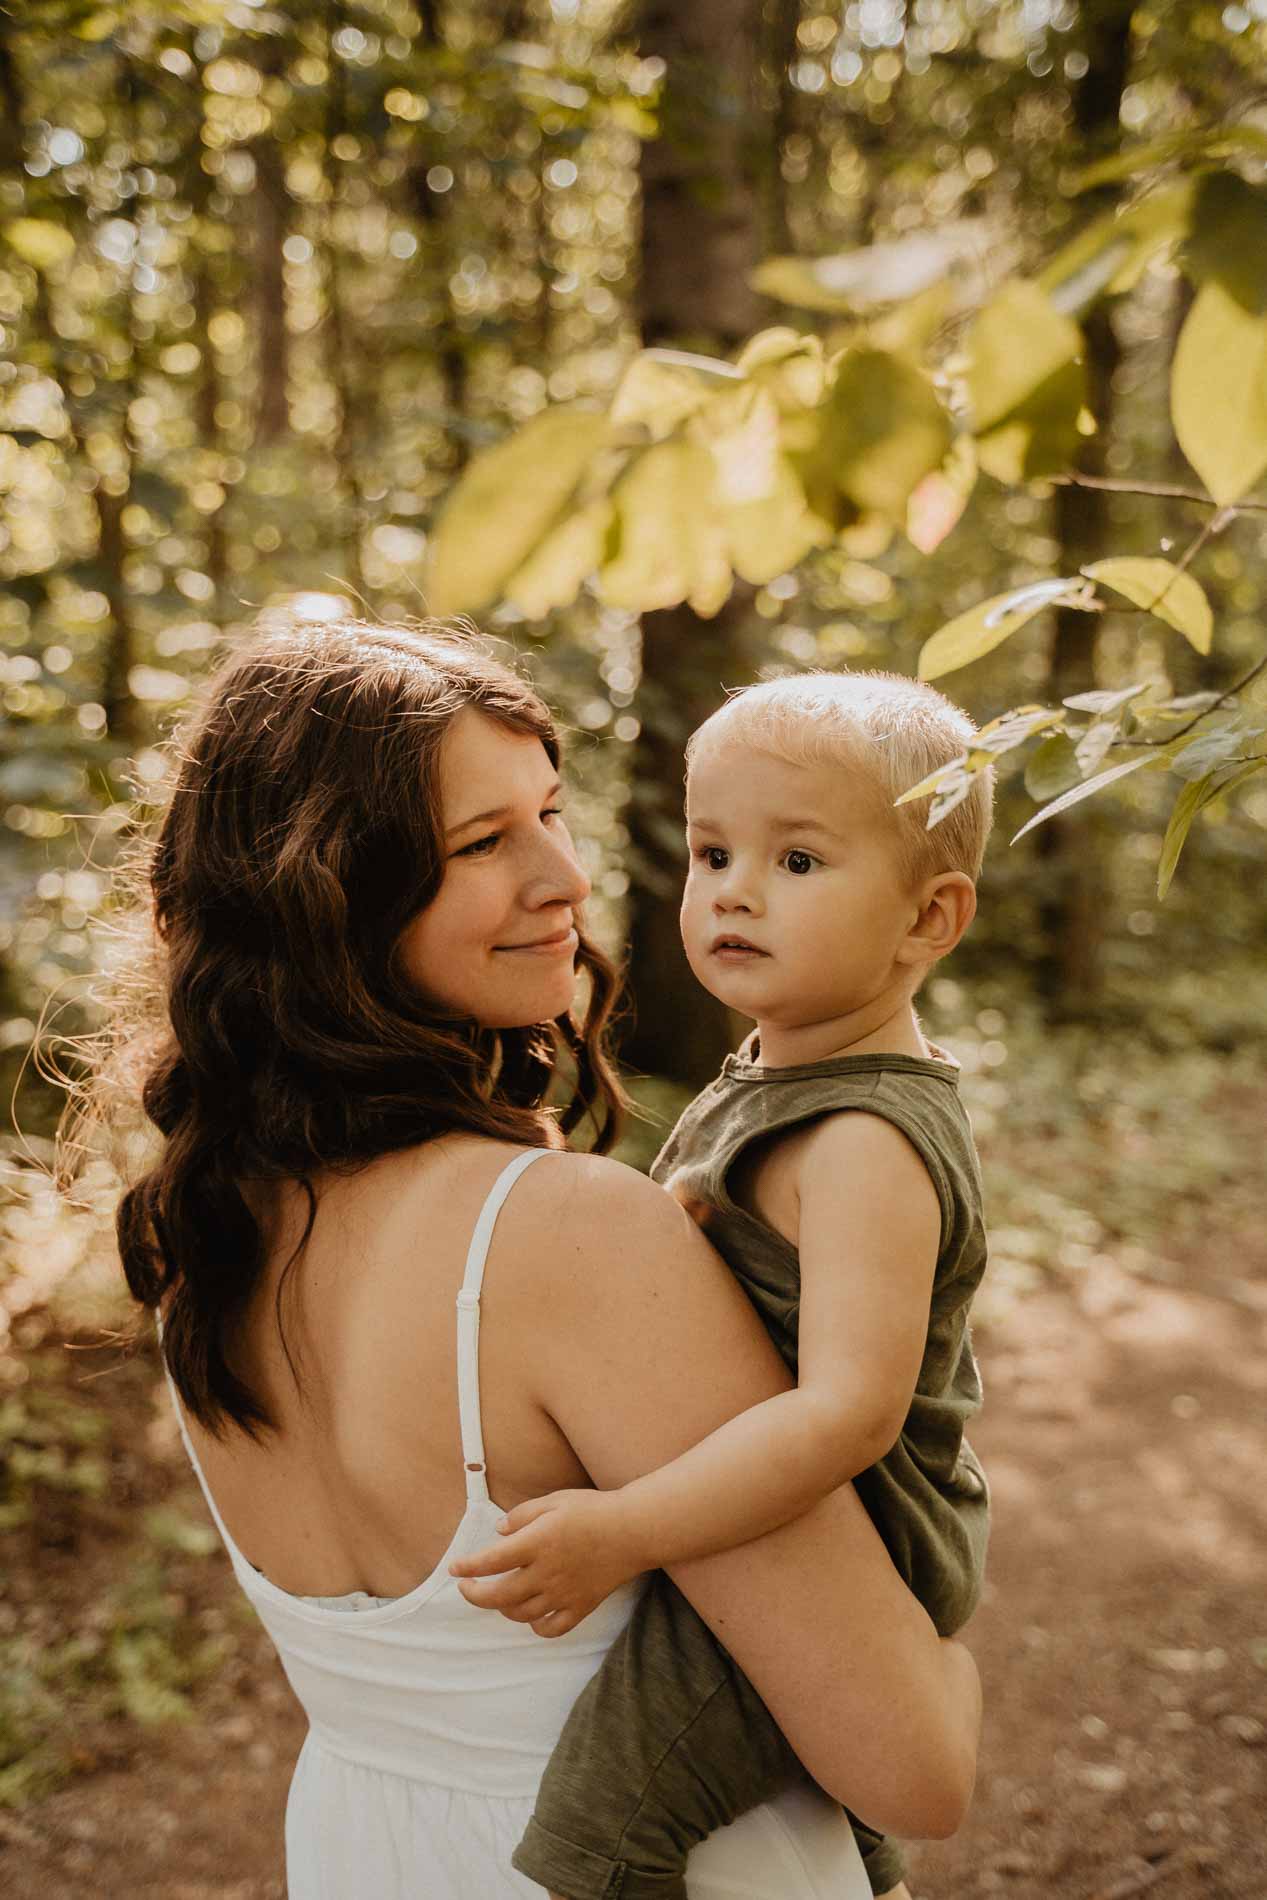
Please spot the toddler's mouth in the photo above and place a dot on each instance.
(736, 949)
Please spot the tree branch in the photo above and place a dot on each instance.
(1161, 491)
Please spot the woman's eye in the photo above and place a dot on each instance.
(799, 862)
(480, 848)
(553, 811)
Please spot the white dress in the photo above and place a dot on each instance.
(430, 1722)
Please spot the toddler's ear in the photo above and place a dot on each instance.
(948, 904)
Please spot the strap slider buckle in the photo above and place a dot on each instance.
(468, 1302)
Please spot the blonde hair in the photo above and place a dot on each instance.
(896, 730)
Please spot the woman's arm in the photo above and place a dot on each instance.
(638, 1342)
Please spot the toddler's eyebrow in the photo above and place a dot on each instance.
(800, 825)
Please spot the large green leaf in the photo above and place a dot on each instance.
(888, 272)
(669, 543)
(1229, 141)
(1112, 253)
(1017, 345)
(1228, 238)
(505, 504)
(1218, 392)
(1193, 799)
(559, 566)
(1052, 767)
(1164, 589)
(788, 363)
(661, 388)
(987, 625)
(884, 431)
(1089, 787)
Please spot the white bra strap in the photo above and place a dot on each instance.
(469, 1325)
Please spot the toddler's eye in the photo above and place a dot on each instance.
(715, 858)
(799, 862)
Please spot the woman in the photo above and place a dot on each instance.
(368, 929)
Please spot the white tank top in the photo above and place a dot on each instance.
(430, 1721)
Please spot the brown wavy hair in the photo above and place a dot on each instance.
(301, 835)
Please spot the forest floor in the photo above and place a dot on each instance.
(1123, 1638)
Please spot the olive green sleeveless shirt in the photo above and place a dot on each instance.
(669, 1740)
(927, 1496)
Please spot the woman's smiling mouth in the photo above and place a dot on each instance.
(554, 946)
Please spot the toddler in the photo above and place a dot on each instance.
(833, 1166)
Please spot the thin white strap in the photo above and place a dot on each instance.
(469, 1325)
(178, 1408)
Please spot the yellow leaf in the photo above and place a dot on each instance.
(1017, 345)
(670, 544)
(1040, 436)
(987, 625)
(937, 502)
(660, 389)
(558, 568)
(786, 362)
(884, 431)
(1164, 589)
(504, 505)
(1218, 392)
(40, 242)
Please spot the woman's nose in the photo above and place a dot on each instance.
(560, 877)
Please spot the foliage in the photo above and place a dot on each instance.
(820, 444)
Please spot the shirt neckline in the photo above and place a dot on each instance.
(939, 1063)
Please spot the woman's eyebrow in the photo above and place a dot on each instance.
(499, 811)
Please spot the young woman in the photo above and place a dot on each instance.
(367, 940)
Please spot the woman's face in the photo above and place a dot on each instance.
(498, 942)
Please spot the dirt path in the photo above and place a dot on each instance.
(1123, 1640)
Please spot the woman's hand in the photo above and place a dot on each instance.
(558, 1558)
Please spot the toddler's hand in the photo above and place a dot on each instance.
(564, 1553)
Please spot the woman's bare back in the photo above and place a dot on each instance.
(362, 1485)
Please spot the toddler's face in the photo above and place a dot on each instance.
(796, 901)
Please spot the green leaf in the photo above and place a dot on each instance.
(1164, 589)
(936, 503)
(1193, 799)
(504, 505)
(1217, 745)
(1104, 701)
(884, 431)
(669, 543)
(1227, 142)
(888, 272)
(1013, 728)
(661, 388)
(1218, 383)
(788, 363)
(1052, 768)
(557, 569)
(987, 625)
(1229, 232)
(1113, 252)
(39, 242)
(1017, 344)
(1088, 788)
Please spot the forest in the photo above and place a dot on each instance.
(678, 346)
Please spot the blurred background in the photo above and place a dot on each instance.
(270, 276)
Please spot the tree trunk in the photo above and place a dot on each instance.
(1072, 854)
(272, 354)
(700, 224)
(434, 211)
(338, 356)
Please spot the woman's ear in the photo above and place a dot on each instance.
(948, 904)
